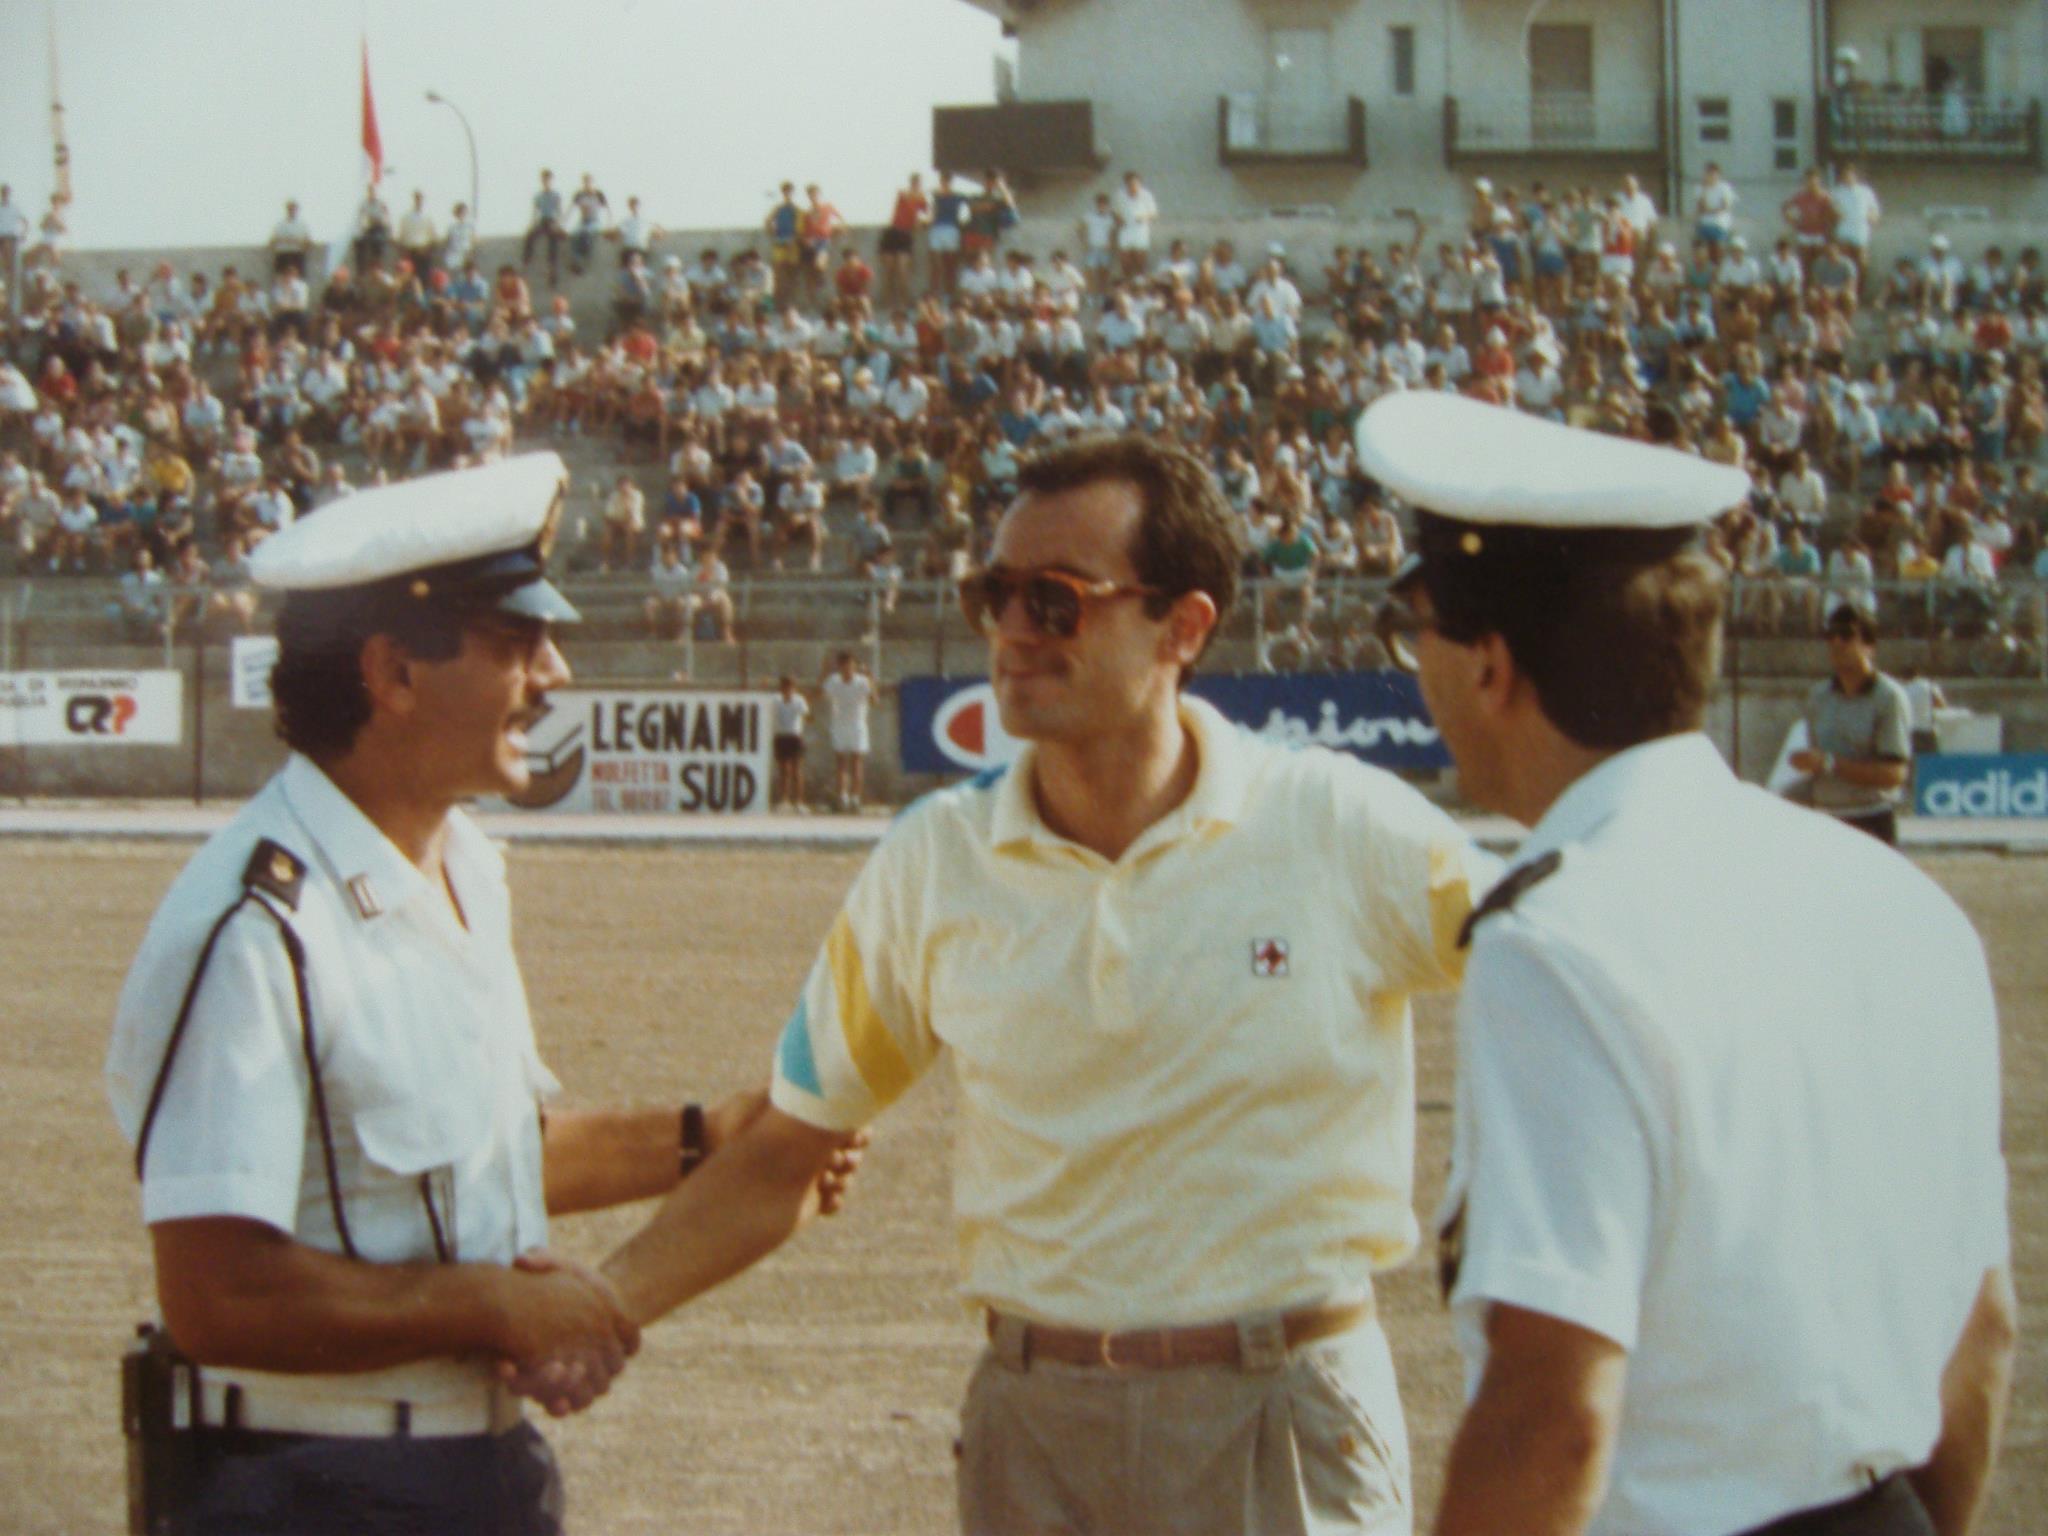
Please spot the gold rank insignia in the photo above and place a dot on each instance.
(276, 871)
(365, 896)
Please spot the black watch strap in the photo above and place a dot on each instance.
(692, 1139)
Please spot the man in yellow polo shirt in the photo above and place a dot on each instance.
(1171, 965)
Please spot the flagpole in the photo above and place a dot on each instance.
(60, 151)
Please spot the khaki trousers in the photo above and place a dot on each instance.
(1308, 1444)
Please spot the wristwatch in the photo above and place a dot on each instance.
(692, 1140)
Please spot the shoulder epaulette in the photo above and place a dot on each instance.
(275, 870)
(1510, 890)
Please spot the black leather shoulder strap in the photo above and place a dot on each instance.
(1512, 888)
(274, 878)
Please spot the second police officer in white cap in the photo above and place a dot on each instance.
(1726, 1239)
(324, 1060)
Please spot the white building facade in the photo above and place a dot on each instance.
(1359, 110)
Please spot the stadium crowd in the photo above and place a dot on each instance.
(814, 402)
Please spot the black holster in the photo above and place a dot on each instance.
(163, 1457)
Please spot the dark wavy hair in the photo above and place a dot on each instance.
(318, 702)
(1188, 538)
(1620, 634)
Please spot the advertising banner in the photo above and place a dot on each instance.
(1980, 785)
(250, 658)
(950, 724)
(91, 709)
(663, 753)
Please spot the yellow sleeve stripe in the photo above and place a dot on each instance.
(1450, 903)
(874, 1050)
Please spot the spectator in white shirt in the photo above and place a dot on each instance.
(1857, 213)
(1803, 492)
(1098, 242)
(907, 397)
(418, 237)
(1274, 283)
(1450, 354)
(1714, 209)
(1852, 578)
(289, 241)
(1539, 387)
(635, 232)
(1941, 274)
(459, 244)
(1226, 273)
(1136, 211)
(1640, 210)
(1120, 329)
(1968, 560)
(1859, 437)
(1405, 356)
(1102, 414)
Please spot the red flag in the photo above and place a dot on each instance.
(373, 142)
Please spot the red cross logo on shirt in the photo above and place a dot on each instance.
(1269, 957)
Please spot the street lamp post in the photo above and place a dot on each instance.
(476, 214)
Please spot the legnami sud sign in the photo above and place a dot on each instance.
(690, 754)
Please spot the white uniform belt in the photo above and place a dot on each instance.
(490, 1409)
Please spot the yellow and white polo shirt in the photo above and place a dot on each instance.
(1186, 1077)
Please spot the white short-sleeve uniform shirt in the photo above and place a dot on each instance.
(1728, 1096)
(426, 1051)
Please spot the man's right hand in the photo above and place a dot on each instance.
(566, 1337)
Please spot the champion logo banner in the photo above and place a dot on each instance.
(951, 725)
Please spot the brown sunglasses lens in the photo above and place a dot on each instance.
(1053, 607)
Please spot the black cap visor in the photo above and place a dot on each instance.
(538, 599)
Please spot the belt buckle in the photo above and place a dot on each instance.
(1262, 1343)
(1105, 1349)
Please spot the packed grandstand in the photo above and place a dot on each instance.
(856, 404)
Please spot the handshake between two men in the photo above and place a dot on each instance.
(568, 1330)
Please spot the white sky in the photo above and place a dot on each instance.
(191, 121)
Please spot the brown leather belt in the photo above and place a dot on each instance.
(1165, 1349)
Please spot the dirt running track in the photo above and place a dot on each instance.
(816, 1394)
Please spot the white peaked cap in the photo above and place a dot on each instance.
(1487, 464)
(460, 533)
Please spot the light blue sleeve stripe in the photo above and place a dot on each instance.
(793, 1058)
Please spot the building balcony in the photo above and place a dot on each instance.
(1252, 129)
(1017, 137)
(1580, 127)
(1904, 126)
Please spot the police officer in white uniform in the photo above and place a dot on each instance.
(1726, 1238)
(324, 1060)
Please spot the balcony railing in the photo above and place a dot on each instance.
(1912, 125)
(1553, 124)
(1252, 129)
(1046, 137)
